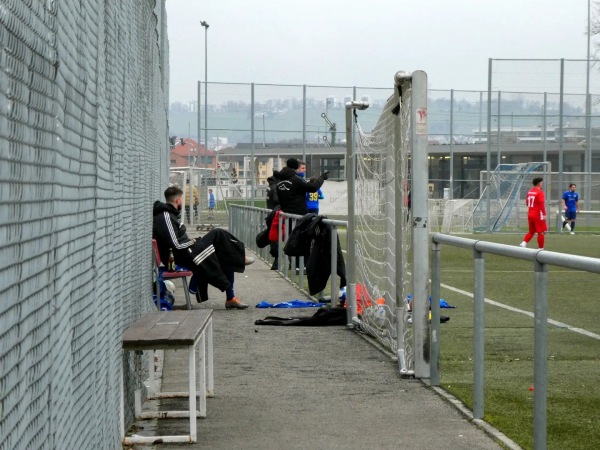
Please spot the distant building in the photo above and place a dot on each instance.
(193, 106)
(188, 154)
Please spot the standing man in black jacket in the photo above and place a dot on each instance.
(212, 258)
(272, 198)
(291, 189)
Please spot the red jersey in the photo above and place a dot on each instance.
(536, 202)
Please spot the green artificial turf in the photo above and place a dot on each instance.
(573, 359)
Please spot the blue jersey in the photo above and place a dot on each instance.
(211, 200)
(571, 199)
(312, 199)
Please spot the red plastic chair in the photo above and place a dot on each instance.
(166, 274)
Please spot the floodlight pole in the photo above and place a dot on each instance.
(351, 313)
(205, 25)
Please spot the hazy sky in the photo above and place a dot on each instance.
(364, 42)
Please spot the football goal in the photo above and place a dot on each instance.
(387, 219)
(501, 206)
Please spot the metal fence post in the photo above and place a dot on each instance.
(183, 214)
(252, 112)
(488, 165)
(540, 348)
(561, 139)
(304, 125)
(499, 119)
(478, 334)
(436, 264)
(544, 127)
(451, 172)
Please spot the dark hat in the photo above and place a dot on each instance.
(292, 163)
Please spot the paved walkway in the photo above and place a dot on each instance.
(307, 388)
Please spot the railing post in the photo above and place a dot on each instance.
(478, 334)
(434, 355)
(540, 349)
(280, 242)
(334, 288)
(294, 259)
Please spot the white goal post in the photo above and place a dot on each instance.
(386, 167)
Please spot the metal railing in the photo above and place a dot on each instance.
(541, 260)
(245, 222)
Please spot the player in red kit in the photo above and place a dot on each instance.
(536, 215)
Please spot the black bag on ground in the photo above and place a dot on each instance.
(322, 318)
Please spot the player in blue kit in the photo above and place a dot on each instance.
(570, 200)
(312, 201)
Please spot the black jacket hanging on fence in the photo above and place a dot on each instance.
(299, 242)
(318, 268)
(272, 198)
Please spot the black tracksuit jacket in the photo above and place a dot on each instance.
(208, 257)
(291, 191)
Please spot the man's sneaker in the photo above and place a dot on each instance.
(572, 232)
(249, 260)
(235, 303)
(523, 244)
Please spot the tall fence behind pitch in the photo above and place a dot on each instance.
(83, 153)
(270, 120)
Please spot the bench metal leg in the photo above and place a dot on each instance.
(202, 375)
(210, 381)
(192, 401)
(186, 291)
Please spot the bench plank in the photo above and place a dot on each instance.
(166, 328)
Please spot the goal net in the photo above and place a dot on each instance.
(457, 215)
(382, 175)
(501, 206)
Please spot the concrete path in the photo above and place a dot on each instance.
(307, 388)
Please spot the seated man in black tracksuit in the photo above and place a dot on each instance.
(212, 258)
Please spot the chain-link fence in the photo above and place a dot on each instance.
(552, 107)
(524, 110)
(83, 154)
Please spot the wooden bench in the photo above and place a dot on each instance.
(172, 330)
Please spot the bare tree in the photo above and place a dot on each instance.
(595, 24)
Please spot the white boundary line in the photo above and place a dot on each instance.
(527, 313)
